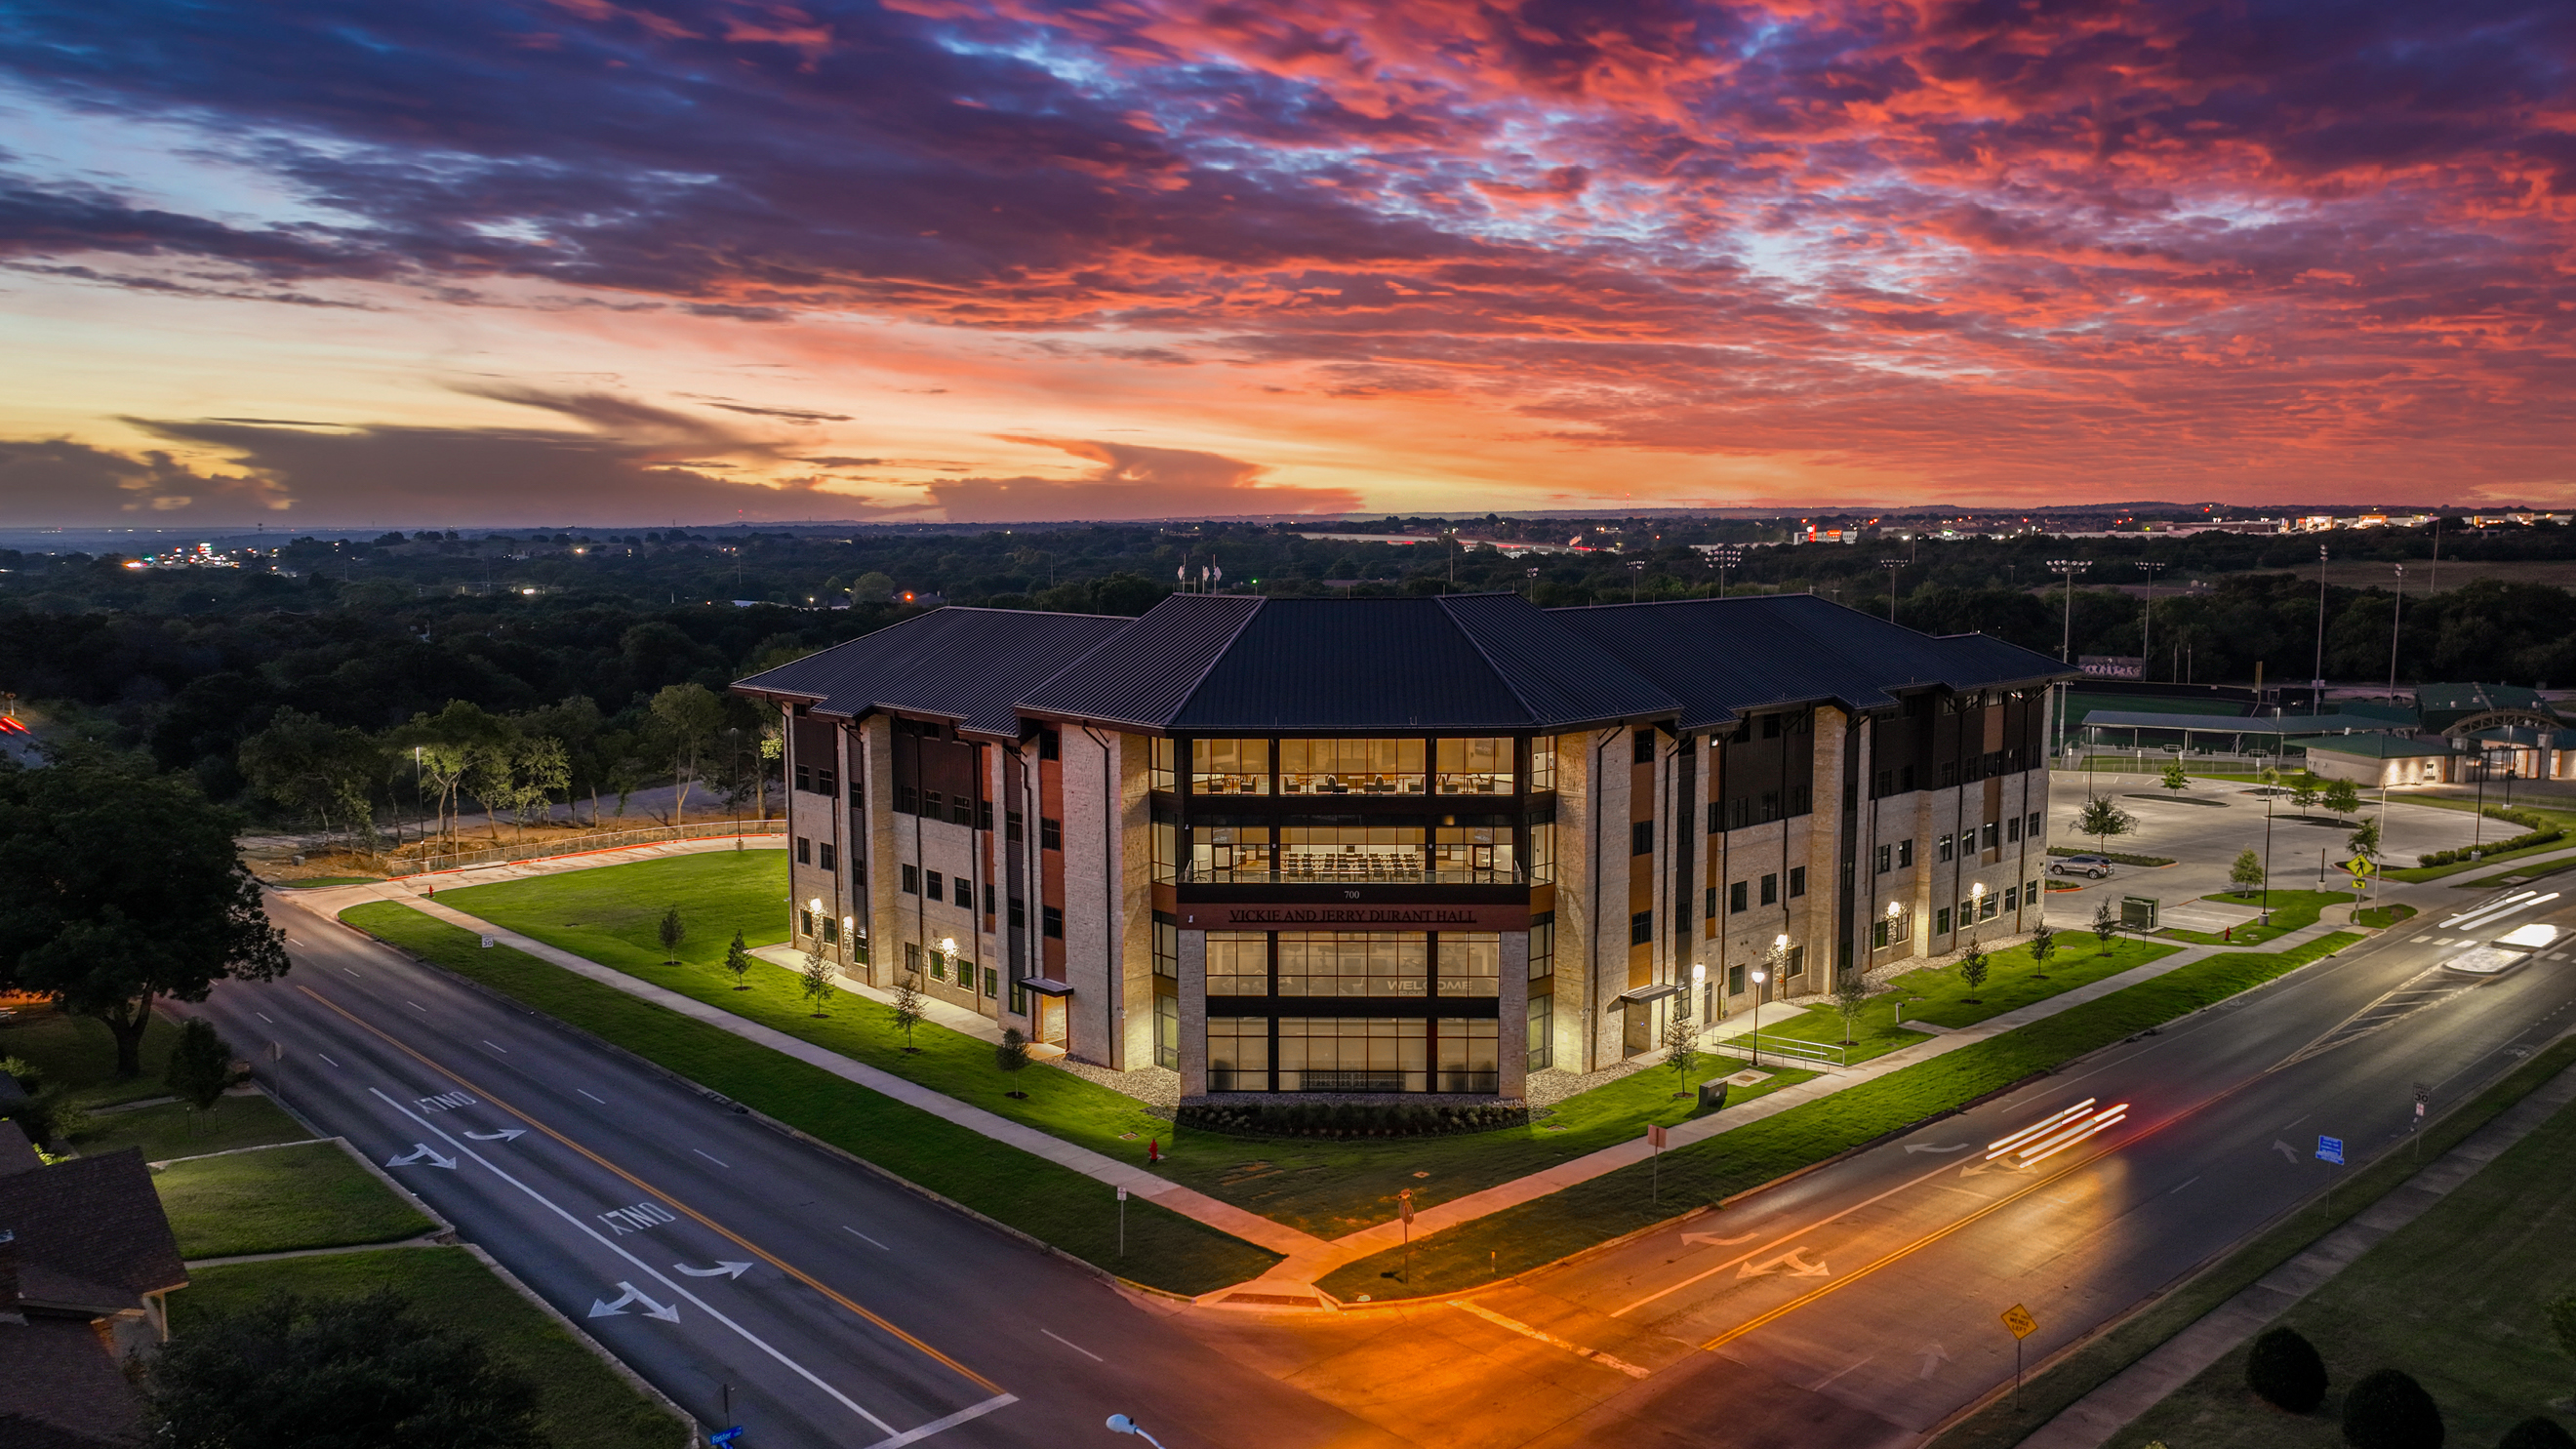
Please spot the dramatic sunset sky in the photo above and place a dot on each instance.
(521, 261)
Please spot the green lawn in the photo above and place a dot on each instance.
(2456, 1298)
(1874, 1034)
(2380, 918)
(609, 914)
(77, 1054)
(1540, 1232)
(2504, 830)
(1937, 995)
(174, 1129)
(2291, 911)
(581, 1403)
(1051, 1203)
(309, 1196)
(2517, 873)
(1333, 1188)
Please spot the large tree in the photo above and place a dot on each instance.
(119, 887)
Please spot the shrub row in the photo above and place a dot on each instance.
(2114, 856)
(2492, 847)
(1351, 1119)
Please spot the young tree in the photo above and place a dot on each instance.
(2174, 777)
(2043, 944)
(686, 717)
(816, 975)
(2303, 795)
(345, 1371)
(314, 770)
(908, 1010)
(671, 932)
(119, 887)
(1011, 1055)
(870, 589)
(2247, 873)
(2102, 819)
(1851, 995)
(2342, 797)
(2364, 840)
(200, 1065)
(738, 961)
(2105, 924)
(1974, 964)
(1681, 1044)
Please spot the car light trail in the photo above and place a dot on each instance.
(2003, 1145)
(2073, 1133)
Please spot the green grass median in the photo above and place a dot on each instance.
(1053, 1204)
(1589, 1213)
(2291, 911)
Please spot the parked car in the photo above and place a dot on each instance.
(2096, 866)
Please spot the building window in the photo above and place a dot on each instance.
(1471, 963)
(1051, 921)
(2012, 898)
(1050, 745)
(912, 958)
(1946, 850)
(2030, 825)
(2030, 894)
(1230, 767)
(1014, 827)
(1941, 921)
(1019, 913)
(1238, 963)
(1645, 747)
(1986, 907)
(1904, 853)
(1160, 751)
(827, 782)
(1050, 834)
(1479, 766)
(1541, 1047)
(1735, 979)
(1641, 838)
(1469, 1060)
(1949, 773)
(992, 983)
(2012, 830)
(1986, 836)
(1238, 1049)
(1166, 852)
(992, 898)
(937, 885)
(858, 793)
(961, 811)
(1795, 965)
(1735, 898)
(1797, 881)
(1771, 890)
(1353, 1054)
(1350, 767)
(831, 932)
(1886, 856)
(965, 893)
(804, 921)
(938, 966)
(1905, 780)
(1472, 853)
(1542, 862)
(825, 858)
(1347, 852)
(804, 851)
(804, 778)
(1709, 908)
(1543, 763)
(1353, 963)
(1229, 852)
(907, 800)
(1883, 785)
(1641, 928)
(912, 880)
(934, 806)
(1167, 1027)
(1716, 816)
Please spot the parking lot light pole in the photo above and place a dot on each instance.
(1121, 1424)
(2069, 567)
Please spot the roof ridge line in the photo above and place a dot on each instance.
(1259, 602)
(1510, 684)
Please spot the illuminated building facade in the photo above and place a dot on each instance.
(1408, 845)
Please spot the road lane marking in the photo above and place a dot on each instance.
(1542, 1335)
(711, 1157)
(416, 1006)
(496, 1046)
(353, 973)
(1069, 1343)
(603, 1101)
(864, 1238)
(755, 1340)
(1893, 1255)
(782, 1265)
(264, 1016)
(2186, 1182)
(941, 1426)
(326, 1056)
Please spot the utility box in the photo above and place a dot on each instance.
(2137, 913)
(1712, 1094)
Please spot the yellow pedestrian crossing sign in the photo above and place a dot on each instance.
(2361, 865)
(2018, 1319)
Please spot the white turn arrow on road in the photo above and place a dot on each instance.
(1933, 1356)
(421, 1156)
(652, 1309)
(720, 1270)
(2288, 1153)
(1928, 1147)
(1793, 1262)
(506, 1134)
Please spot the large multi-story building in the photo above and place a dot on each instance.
(1423, 845)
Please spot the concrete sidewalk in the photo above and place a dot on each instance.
(2091, 1421)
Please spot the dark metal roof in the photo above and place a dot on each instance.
(1723, 657)
(1200, 664)
(967, 665)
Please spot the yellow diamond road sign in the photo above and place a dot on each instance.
(2361, 865)
(2018, 1319)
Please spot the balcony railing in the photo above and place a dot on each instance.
(1354, 868)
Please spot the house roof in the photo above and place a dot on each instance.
(90, 1229)
(966, 665)
(1723, 657)
(61, 1388)
(2374, 746)
(2442, 705)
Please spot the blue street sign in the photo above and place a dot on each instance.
(2330, 1149)
(723, 1437)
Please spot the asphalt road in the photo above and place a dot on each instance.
(1859, 1306)
(709, 1251)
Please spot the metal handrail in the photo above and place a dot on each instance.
(1749, 1043)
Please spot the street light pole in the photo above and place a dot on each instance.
(1636, 573)
(1121, 1424)
(1892, 565)
(2317, 685)
(2147, 639)
(2397, 616)
(2069, 567)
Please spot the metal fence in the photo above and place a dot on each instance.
(585, 844)
(1754, 1044)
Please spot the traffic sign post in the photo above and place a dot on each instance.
(1404, 1210)
(1655, 1173)
(2018, 1319)
(1122, 1222)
